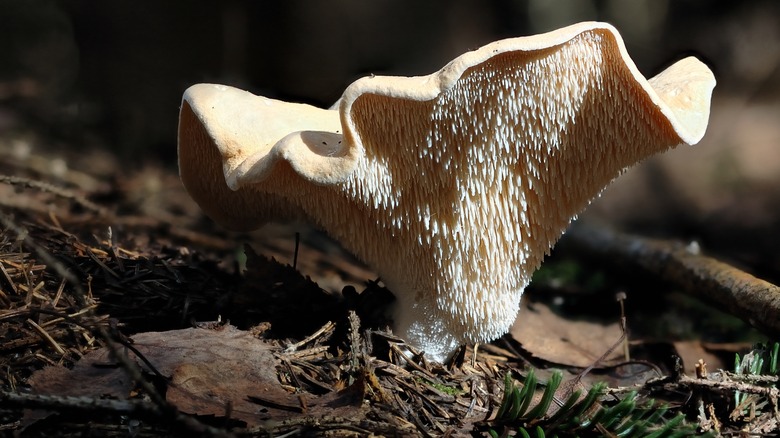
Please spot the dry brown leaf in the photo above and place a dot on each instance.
(211, 371)
(564, 341)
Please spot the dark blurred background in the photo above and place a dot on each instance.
(96, 77)
(117, 69)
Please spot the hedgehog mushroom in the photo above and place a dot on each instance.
(453, 186)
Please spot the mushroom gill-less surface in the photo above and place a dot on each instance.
(453, 186)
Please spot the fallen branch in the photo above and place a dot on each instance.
(754, 300)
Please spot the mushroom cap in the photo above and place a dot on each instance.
(240, 128)
(681, 92)
(453, 186)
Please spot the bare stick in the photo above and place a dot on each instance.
(754, 300)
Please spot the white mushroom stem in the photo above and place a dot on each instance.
(453, 186)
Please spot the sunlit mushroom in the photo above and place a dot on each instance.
(453, 186)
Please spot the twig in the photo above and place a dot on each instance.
(50, 188)
(8, 278)
(754, 300)
(397, 350)
(292, 347)
(46, 336)
(772, 393)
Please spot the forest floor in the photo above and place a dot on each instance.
(123, 311)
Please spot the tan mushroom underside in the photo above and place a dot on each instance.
(453, 186)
